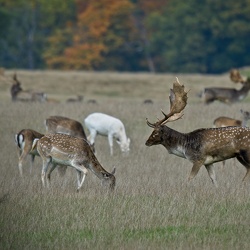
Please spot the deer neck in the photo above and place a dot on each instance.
(174, 141)
(243, 92)
(96, 167)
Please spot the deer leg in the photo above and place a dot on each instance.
(20, 162)
(110, 139)
(211, 173)
(244, 159)
(80, 169)
(32, 159)
(50, 171)
(195, 169)
(46, 163)
(92, 136)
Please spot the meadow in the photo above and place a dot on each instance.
(153, 205)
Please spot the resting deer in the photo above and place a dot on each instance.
(78, 98)
(18, 94)
(202, 146)
(224, 121)
(106, 125)
(228, 95)
(71, 151)
(24, 140)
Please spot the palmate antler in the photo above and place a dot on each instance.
(236, 77)
(178, 101)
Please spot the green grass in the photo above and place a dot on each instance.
(153, 206)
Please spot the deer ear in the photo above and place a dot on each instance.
(113, 171)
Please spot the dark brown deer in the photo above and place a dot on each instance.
(202, 146)
(228, 95)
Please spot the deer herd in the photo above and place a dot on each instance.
(65, 142)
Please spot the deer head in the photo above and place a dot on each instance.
(178, 101)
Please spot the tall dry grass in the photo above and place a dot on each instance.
(153, 206)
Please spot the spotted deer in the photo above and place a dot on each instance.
(24, 140)
(74, 152)
(65, 125)
(228, 95)
(224, 121)
(202, 146)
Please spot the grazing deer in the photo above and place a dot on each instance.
(224, 121)
(71, 151)
(106, 125)
(202, 146)
(65, 125)
(24, 140)
(228, 95)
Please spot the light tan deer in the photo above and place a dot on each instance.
(224, 121)
(227, 95)
(24, 140)
(71, 151)
(202, 146)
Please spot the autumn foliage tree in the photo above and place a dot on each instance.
(102, 30)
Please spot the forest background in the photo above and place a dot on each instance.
(209, 36)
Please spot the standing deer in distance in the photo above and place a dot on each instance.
(71, 151)
(24, 140)
(106, 125)
(203, 146)
(224, 121)
(228, 95)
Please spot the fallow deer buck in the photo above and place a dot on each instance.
(24, 140)
(71, 151)
(228, 95)
(202, 146)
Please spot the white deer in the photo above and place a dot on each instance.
(106, 125)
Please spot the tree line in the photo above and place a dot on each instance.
(209, 36)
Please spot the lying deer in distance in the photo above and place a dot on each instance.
(71, 151)
(18, 94)
(227, 95)
(203, 146)
(224, 121)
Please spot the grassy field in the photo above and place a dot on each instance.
(153, 206)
